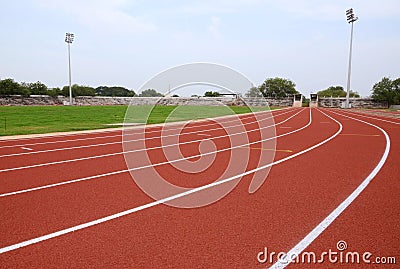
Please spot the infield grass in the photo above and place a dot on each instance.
(16, 120)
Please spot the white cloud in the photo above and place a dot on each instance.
(214, 27)
(335, 10)
(101, 16)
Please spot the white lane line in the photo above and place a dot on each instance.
(161, 201)
(374, 118)
(107, 136)
(64, 183)
(308, 239)
(133, 151)
(60, 141)
(63, 161)
(25, 148)
(6, 139)
(377, 113)
(119, 142)
(208, 135)
(152, 165)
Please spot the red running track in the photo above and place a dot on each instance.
(320, 161)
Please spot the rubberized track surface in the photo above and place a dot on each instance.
(333, 163)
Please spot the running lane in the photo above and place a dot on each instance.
(371, 224)
(297, 195)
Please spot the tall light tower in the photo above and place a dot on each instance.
(69, 38)
(350, 19)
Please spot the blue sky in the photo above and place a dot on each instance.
(127, 42)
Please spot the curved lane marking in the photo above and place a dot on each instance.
(309, 238)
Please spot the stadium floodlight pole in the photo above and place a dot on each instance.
(69, 38)
(350, 19)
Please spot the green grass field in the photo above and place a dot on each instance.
(15, 120)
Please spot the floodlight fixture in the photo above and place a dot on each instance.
(350, 16)
(69, 38)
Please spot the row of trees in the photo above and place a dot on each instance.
(281, 87)
(273, 87)
(337, 91)
(386, 90)
(211, 94)
(10, 87)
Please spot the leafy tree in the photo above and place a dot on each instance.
(114, 91)
(150, 93)
(37, 88)
(396, 86)
(78, 90)
(54, 92)
(23, 90)
(65, 91)
(336, 91)
(175, 95)
(253, 92)
(8, 87)
(387, 91)
(278, 87)
(85, 91)
(354, 94)
(211, 94)
(306, 102)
